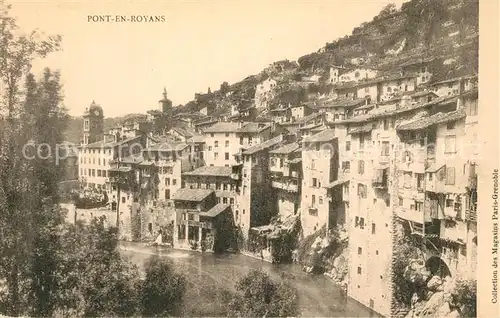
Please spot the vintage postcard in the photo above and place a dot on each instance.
(326, 158)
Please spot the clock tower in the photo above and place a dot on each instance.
(165, 104)
(93, 124)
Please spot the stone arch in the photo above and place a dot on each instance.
(438, 267)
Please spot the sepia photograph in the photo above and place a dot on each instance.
(248, 159)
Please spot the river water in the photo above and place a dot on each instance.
(208, 273)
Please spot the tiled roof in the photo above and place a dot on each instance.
(184, 132)
(167, 146)
(286, 149)
(263, 145)
(216, 210)
(435, 119)
(454, 79)
(343, 103)
(422, 93)
(325, 135)
(102, 144)
(253, 127)
(136, 158)
(195, 195)
(363, 129)
(310, 126)
(308, 118)
(295, 160)
(402, 109)
(197, 139)
(435, 167)
(223, 127)
(210, 171)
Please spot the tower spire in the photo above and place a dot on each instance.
(164, 92)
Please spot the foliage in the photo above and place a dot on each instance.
(259, 296)
(163, 290)
(94, 280)
(465, 297)
(404, 251)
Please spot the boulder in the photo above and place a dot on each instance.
(433, 305)
(453, 314)
(435, 283)
(443, 310)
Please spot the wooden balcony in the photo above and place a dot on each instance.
(290, 187)
(203, 225)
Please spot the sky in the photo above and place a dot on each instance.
(124, 66)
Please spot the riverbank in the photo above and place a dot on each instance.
(208, 274)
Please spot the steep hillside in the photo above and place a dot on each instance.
(445, 29)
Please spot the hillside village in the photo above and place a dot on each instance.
(337, 161)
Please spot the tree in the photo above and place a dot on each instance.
(258, 296)
(21, 181)
(162, 290)
(93, 278)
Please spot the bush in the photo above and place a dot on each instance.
(259, 296)
(163, 290)
(465, 297)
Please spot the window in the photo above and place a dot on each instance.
(313, 164)
(373, 228)
(167, 194)
(420, 181)
(367, 89)
(385, 148)
(244, 189)
(103, 162)
(224, 186)
(386, 124)
(347, 146)
(313, 200)
(450, 175)
(450, 125)
(249, 140)
(224, 200)
(99, 161)
(227, 144)
(212, 135)
(449, 144)
(361, 167)
(98, 173)
(174, 181)
(419, 206)
(362, 190)
(346, 166)
(123, 199)
(449, 203)
(430, 176)
(216, 155)
(359, 270)
(407, 179)
(315, 182)
(227, 134)
(241, 140)
(226, 156)
(217, 186)
(360, 250)
(216, 144)
(167, 181)
(231, 201)
(361, 142)
(320, 200)
(356, 74)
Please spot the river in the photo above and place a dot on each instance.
(208, 273)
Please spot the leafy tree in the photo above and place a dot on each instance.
(258, 296)
(23, 184)
(465, 297)
(162, 290)
(94, 279)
